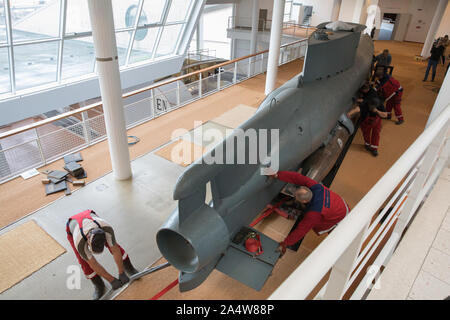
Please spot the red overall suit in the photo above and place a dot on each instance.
(87, 270)
(388, 86)
(323, 212)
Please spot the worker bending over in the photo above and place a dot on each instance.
(371, 111)
(88, 235)
(391, 91)
(322, 207)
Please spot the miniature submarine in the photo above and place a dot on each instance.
(309, 112)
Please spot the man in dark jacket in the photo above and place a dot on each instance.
(433, 60)
(371, 111)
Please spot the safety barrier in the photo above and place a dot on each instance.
(364, 241)
(46, 141)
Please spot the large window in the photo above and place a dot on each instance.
(50, 41)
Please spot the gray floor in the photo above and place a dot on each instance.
(135, 208)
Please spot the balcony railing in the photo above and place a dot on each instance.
(365, 240)
(48, 140)
(289, 27)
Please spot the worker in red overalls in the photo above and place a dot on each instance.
(323, 208)
(391, 91)
(371, 111)
(88, 235)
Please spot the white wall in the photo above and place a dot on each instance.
(244, 10)
(322, 10)
(422, 15)
(444, 27)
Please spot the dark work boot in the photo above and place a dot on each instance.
(400, 121)
(374, 152)
(129, 269)
(99, 285)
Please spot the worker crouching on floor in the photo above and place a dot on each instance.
(371, 111)
(88, 234)
(323, 208)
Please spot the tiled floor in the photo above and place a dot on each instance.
(420, 267)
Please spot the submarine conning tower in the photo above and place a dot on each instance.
(330, 52)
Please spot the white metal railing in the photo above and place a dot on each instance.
(400, 191)
(38, 144)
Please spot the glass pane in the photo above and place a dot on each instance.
(34, 19)
(169, 39)
(151, 11)
(5, 84)
(2, 23)
(37, 68)
(122, 40)
(77, 16)
(178, 10)
(124, 12)
(143, 45)
(78, 57)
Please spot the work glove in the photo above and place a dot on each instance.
(282, 248)
(123, 278)
(116, 284)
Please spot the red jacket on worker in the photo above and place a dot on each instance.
(324, 211)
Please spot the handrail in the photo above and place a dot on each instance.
(305, 278)
(134, 92)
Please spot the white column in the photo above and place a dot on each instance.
(336, 10)
(200, 33)
(101, 16)
(442, 100)
(274, 46)
(254, 34)
(433, 28)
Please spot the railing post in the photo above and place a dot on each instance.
(200, 92)
(342, 269)
(235, 73)
(249, 71)
(218, 80)
(262, 63)
(178, 94)
(412, 201)
(84, 118)
(38, 141)
(153, 104)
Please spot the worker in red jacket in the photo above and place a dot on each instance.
(88, 235)
(391, 91)
(323, 208)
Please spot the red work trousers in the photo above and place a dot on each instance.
(87, 270)
(394, 103)
(371, 128)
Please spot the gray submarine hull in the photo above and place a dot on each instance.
(309, 113)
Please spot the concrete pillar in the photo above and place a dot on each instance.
(336, 10)
(199, 31)
(101, 16)
(274, 46)
(359, 6)
(254, 34)
(433, 28)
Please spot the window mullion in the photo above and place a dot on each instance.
(12, 73)
(62, 30)
(160, 31)
(133, 35)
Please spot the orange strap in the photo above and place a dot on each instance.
(165, 290)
